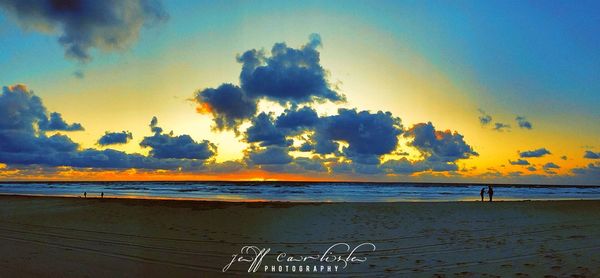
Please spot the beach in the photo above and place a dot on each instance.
(93, 237)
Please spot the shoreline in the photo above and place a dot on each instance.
(242, 201)
(288, 182)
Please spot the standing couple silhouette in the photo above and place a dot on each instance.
(490, 192)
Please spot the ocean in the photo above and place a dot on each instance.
(299, 191)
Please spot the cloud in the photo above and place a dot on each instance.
(519, 162)
(591, 155)
(83, 25)
(404, 166)
(442, 146)
(113, 159)
(306, 147)
(56, 123)
(592, 171)
(564, 157)
(228, 104)
(310, 164)
(111, 138)
(289, 75)
(523, 123)
(500, 127)
(368, 135)
(295, 120)
(484, 118)
(181, 146)
(264, 131)
(535, 153)
(298, 165)
(21, 109)
(23, 122)
(550, 165)
(270, 155)
(79, 74)
(531, 169)
(23, 142)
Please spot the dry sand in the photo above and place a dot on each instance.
(74, 237)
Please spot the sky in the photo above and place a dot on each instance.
(409, 91)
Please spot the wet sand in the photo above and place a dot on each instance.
(75, 237)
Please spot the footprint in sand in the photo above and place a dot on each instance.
(529, 264)
(520, 274)
(506, 265)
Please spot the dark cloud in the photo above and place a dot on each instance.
(591, 155)
(263, 131)
(79, 74)
(484, 118)
(564, 157)
(341, 167)
(306, 147)
(592, 171)
(23, 142)
(298, 165)
(181, 146)
(295, 120)
(515, 173)
(57, 123)
(366, 169)
(113, 159)
(83, 25)
(270, 155)
(550, 165)
(443, 146)
(225, 167)
(404, 166)
(310, 164)
(289, 75)
(111, 138)
(531, 169)
(153, 125)
(23, 120)
(228, 104)
(535, 153)
(523, 123)
(21, 109)
(501, 127)
(368, 135)
(519, 162)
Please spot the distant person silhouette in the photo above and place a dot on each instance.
(84, 194)
(491, 192)
(101, 194)
(482, 192)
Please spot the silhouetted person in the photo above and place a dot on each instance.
(491, 192)
(101, 194)
(482, 192)
(84, 194)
